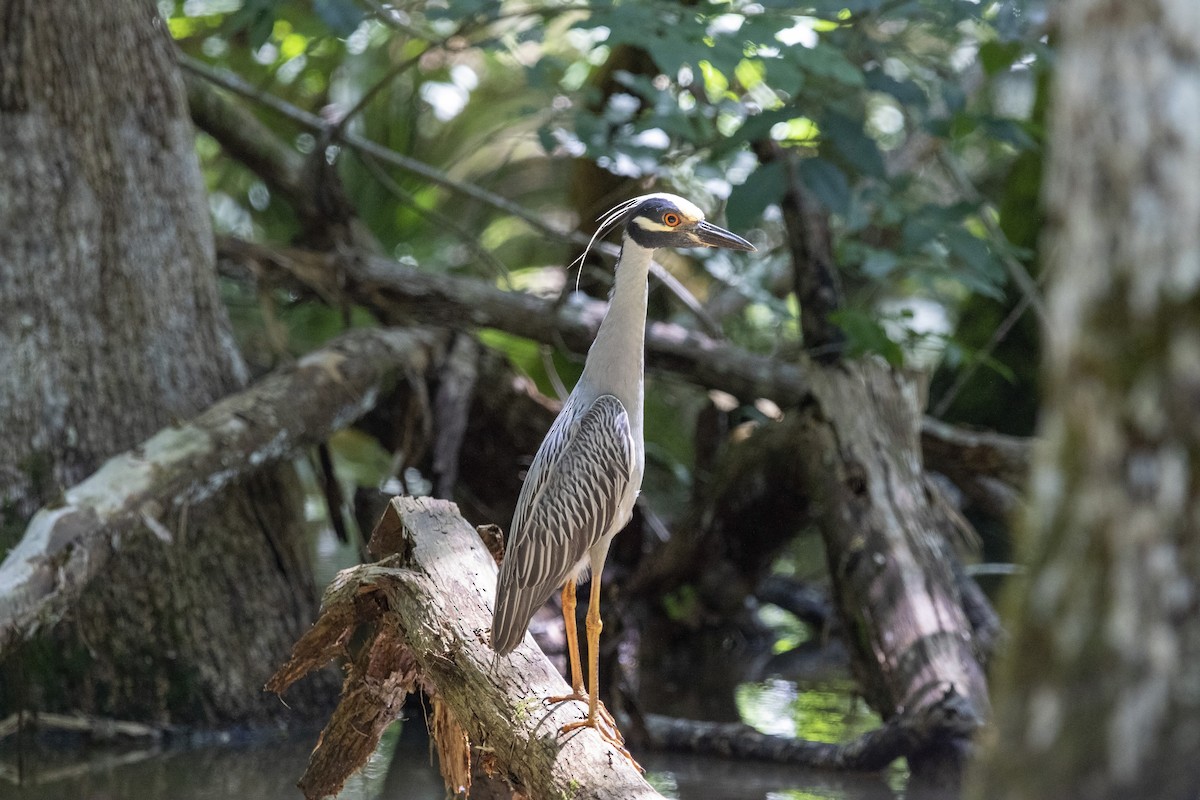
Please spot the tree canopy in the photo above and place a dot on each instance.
(913, 129)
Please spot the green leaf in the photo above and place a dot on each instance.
(907, 93)
(461, 9)
(342, 16)
(826, 61)
(766, 185)
(864, 334)
(850, 140)
(879, 263)
(997, 57)
(758, 126)
(1008, 130)
(257, 19)
(985, 274)
(827, 183)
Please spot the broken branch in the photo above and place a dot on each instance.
(66, 545)
(430, 596)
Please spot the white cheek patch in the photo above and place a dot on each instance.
(650, 226)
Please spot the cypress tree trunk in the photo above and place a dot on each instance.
(111, 327)
(1098, 696)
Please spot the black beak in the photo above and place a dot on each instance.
(710, 235)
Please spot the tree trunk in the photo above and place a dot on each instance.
(111, 327)
(1098, 696)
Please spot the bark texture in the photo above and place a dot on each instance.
(888, 544)
(1098, 696)
(429, 604)
(111, 328)
(66, 546)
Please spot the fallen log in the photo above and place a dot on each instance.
(427, 603)
(874, 750)
(65, 546)
(894, 573)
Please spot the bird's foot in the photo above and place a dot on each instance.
(604, 716)
(604, 724)
(577, 694)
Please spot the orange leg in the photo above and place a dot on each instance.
(568, 607)
(572, 629)
(597, 713)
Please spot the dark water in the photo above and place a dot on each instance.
(817, 706)
(400, 770)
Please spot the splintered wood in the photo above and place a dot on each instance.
(426, 610)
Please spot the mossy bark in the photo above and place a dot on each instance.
(111, 328)
(1098, 695)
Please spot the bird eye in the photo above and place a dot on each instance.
(671, 219)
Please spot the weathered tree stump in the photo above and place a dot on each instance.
(428, 600)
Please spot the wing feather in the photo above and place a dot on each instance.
(570, 500)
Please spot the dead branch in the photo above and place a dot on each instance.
(897, 738)
(988, 467)
(402, 295)
(251, 142)
(65, 546)
(95, 728)
(451, 411)
(429, 604)
(809, 242)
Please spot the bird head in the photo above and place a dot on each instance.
(668, 220)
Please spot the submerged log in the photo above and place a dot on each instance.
(428, 601)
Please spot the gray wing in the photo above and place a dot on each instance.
(571, 499)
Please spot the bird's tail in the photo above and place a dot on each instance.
(515, 606)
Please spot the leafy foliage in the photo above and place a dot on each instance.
(903, 119)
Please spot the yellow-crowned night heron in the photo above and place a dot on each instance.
(582, 484)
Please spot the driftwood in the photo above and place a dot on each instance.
(67, 545)
(428, 602)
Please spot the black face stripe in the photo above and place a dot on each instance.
(656, 208)
(653, 211)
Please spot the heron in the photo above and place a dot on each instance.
(580, 489)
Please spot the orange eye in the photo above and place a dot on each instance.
(671, 219)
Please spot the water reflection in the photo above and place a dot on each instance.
(706, 778)
(400, 770)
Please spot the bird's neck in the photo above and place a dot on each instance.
(617, 357)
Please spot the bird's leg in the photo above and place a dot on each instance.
(572, 626)
(597, 713)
